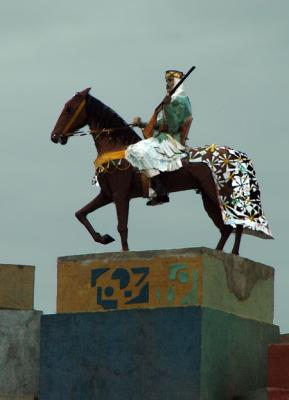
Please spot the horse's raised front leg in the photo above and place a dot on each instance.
(238, 237)
(100, 201)
(122, 209)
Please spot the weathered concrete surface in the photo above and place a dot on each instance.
(260, 394)
(19, 352)
(277, 394)
(238, 349)
(166, 278)
(17, 397)
(266, 394)
(284, 338)
(16, 286)
(187, 353)
(278, 371)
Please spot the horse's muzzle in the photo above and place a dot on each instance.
(55, 138)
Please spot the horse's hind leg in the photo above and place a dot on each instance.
(100, 201)
(214, 213)
(238, 237)
(225, 233)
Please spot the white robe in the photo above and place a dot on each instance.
(156, 154)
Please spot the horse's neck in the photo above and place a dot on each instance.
(101, 118)
(104, 144)
(103, 141)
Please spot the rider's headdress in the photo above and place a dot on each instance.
(172, 73)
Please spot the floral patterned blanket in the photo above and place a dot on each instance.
(237, 186)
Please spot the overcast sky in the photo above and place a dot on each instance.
(239, 95)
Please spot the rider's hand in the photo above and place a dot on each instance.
(137, 121)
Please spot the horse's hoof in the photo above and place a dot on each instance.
(106, 239)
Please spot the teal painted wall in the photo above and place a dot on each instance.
(234, 354)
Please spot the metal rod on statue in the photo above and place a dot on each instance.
(177, 85)
(148, 130)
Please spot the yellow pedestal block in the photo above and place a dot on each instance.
(16, 287)
(165, 278)
(112, 283)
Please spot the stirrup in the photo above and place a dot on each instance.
(155, 201)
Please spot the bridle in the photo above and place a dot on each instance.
(74, 116)
(95, 133)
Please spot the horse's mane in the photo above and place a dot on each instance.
(106, 118)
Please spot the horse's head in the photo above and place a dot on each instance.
(72, 118)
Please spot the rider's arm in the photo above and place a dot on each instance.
(137, 121)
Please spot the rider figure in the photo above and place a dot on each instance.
(164, 151)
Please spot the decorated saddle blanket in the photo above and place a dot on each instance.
(233, 172)
(237, 187)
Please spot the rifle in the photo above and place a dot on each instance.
(148, 130)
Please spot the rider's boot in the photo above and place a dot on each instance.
(161, 191)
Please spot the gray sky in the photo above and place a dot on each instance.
(239, 95)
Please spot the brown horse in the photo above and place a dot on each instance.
(118, 180)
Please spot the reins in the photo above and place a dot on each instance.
(98, 132)
(103, 161)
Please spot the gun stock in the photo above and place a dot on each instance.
(148, 130)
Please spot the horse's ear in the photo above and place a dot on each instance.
(85, 92)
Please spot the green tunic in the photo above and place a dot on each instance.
(173, 116)
(163, 152)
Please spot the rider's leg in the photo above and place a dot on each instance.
(159, 185)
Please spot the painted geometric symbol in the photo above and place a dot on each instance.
(177, 286)
(183, 287)
(120, 286)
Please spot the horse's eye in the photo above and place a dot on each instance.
(68, 110)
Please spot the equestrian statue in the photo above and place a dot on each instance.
(129, 167)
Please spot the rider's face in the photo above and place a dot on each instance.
(170, 83)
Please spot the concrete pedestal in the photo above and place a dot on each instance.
(165, 278)
(16, 286)
(266, 394)
(177, 353)
(17, 397)
(19, 353)
(278, 371)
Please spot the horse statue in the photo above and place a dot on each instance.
(224, 177)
